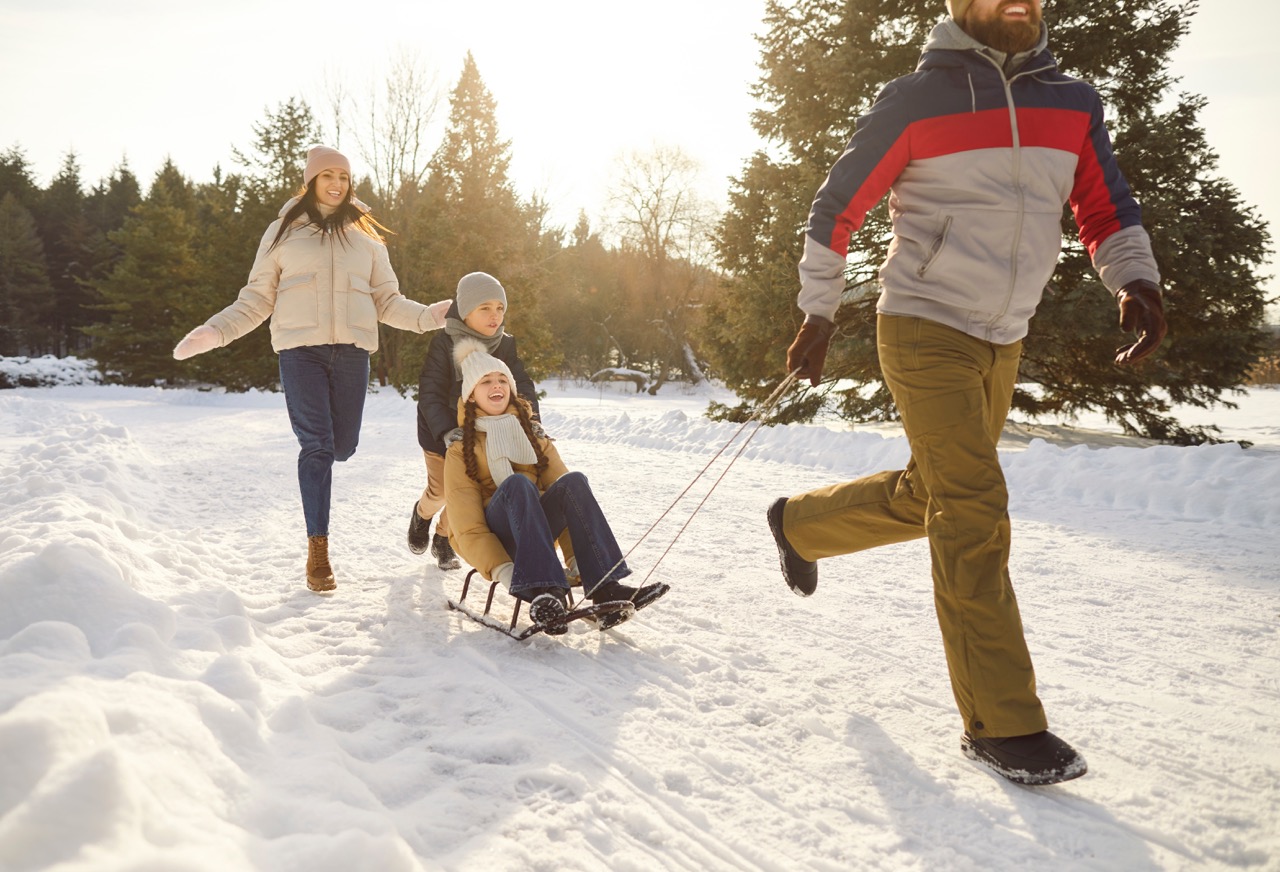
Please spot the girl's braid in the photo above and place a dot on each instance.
(469, 440)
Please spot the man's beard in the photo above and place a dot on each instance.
(1005, 35)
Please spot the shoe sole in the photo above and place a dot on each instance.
(614, 619)
(550, 616)
(1073, 770)
(651, 598)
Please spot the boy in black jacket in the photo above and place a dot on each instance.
(478, 312)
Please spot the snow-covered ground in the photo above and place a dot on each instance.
(172, 697)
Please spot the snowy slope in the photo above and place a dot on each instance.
(172, 698)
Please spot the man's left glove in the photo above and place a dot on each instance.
(808, 352)
(1141, 312)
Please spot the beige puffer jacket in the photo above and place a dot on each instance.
(319, 290)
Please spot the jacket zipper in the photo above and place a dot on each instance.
(1017, 173)
(1022, 202)
(333, 294)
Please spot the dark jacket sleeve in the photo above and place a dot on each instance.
(437, 394)
(524, 385)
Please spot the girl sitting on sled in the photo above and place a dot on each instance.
(510, 496)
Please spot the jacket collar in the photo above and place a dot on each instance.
(949, 45)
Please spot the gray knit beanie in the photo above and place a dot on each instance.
(476, 288)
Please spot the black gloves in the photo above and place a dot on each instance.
(808, 352)
(1141, 312)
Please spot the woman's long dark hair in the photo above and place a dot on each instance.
(347, 214)
(524, 412)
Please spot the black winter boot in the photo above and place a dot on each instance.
(419, 531)
(1037, 758)
(613, 591)
(801, 574)
(442, 551)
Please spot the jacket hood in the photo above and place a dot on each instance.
(949, 36)
(293, 201)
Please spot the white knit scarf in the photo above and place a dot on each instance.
(507, 443)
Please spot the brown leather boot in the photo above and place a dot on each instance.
(319, 572)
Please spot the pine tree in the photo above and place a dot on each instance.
(1208, 244)
(231, 219)
(105, 208)
(469, 218)
(110, 201)
(26, 296)
(69, 248)
(16, 178)
(278, 155)
(147, 294)
(585, 304)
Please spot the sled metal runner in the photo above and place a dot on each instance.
(588, 612)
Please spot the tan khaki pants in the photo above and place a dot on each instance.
(953, 393)
(432, 499)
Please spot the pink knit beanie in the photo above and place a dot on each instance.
(321, 158)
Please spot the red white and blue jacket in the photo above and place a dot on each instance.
(978, 165)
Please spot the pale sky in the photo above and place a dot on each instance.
(577, 83)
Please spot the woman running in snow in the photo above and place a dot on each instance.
(323, 277)
(509, 496)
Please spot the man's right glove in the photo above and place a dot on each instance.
(808, 352)
(1141, 311)
(454, 435)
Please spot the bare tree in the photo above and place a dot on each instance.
(657, 213)
(654, 205)
(338, 96)
(391, 125)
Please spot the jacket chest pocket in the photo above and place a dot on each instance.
(297, 302)
(362, 314)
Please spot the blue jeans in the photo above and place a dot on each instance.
(527, 526)
(324, 390)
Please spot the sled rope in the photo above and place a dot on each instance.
(756, 417)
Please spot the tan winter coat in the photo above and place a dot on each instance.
(318, 290)
(466, 499)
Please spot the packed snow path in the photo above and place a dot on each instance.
(171, 696)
